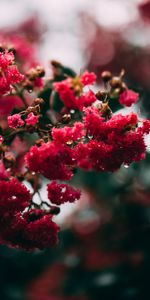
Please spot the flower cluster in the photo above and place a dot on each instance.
(120, 138)
(31, 229)
(61, 193)
(10, 74)
(71, 91)
(52, 140)
(53, 160)
(16, 121)
(128, 97)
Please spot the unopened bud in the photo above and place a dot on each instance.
(101, 95)
(39, 142)
(40, 71)
(115, 82)
(31, 109)
(106, 76)
(56, 64)
(38, 101)
(66, 118)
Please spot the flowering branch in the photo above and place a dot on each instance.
(65, 126)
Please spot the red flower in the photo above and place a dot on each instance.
(128, 97)
(100, 129)
(145, 128)
(61, 193)
(9, 72)
(53, 160)
(117, 142)
(13, 75)
(88, 78)
(67, 95)
(72, 94)
(15, 121)
(6, 59)
(86, 99)
(65, 134)
(14, 197)
(31, 119)
(31, 230)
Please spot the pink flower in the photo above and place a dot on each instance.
(145, 129)
(66, 134)
(32, 120)
(128, 97)
(72, 94)
(88, 78)
(15, 121)
(100, 129)
(61, 193)
(98, 155)
(13, 75)
(67, 95)
(119, 138)
(9, 73)
(87, 99)
(53, 160)
(6, 59)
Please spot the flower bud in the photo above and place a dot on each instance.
(66, 118)
(38, 101)
(101, 95)
(115, 82)
(106, 76)
(9, 161)
(40, 71)
(39, 142)
(56, 64)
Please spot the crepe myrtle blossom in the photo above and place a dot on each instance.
(128, 98)
(71, 91)
(32, 119)
(61, 193)
(62, 127)
(15, 121)
(9, 74)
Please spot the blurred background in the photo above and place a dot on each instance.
(104, 248)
